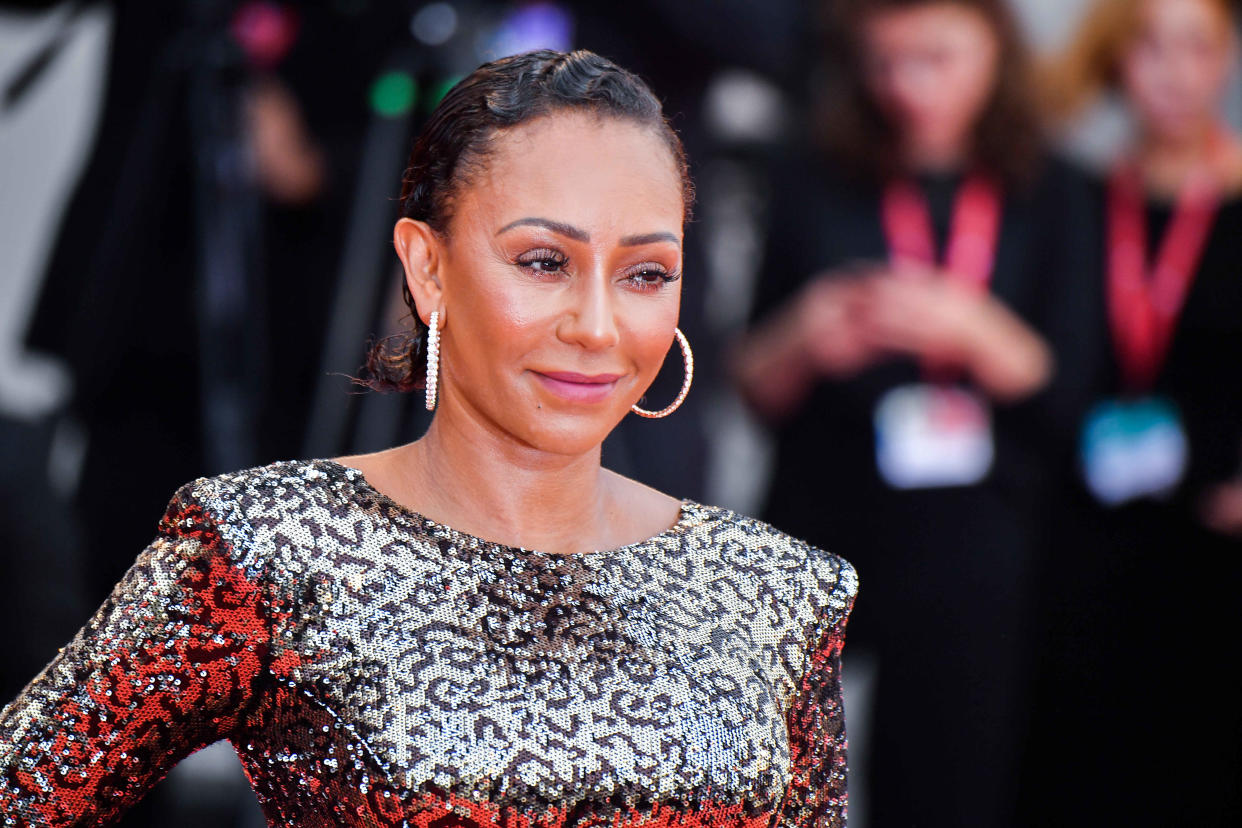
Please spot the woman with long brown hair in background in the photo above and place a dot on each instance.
(912, 318)
(1141, 687)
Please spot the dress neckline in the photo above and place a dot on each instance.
(690, 514)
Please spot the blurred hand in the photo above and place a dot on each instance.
(813, 336)
(289, 166)
(826, 318)
(920, 312)
(844, 322)
(1222, 508)
(923, 313)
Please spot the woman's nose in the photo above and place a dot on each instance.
(590, 322)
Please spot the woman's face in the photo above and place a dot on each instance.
(560, 280)
(1175, 69)
(931, 69)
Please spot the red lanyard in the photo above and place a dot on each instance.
(974, 229)
(1144, 307)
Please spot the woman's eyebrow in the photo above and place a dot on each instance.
(560, 228)
(650, 238)
(569, 231)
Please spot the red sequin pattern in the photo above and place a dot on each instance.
(373, 668)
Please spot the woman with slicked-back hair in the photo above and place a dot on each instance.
(483, 627)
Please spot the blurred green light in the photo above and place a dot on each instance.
(393, 94)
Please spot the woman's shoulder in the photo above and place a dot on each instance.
(262, 486)
(238, 503)
(750, 546)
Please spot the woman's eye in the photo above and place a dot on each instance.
(650, 276)
(542, 261)
(546, 265)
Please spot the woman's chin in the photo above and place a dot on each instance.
(1176, 127)
(563, 430)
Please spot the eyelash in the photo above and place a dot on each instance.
(534, 261)
(543, 255)
(636, 273)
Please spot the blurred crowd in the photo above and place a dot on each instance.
(964, 281)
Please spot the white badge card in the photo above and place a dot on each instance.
(931, 436)
(1132, 449)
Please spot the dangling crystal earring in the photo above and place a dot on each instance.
(688, 358)
(433, 359)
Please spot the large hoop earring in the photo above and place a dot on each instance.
(687, 357)
(433, 359)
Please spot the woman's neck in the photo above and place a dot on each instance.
(1167, 163)
(487, 484)
(935, 158)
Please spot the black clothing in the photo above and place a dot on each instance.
(948, 712)
(1138, 680)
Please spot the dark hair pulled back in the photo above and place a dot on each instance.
(455, 141)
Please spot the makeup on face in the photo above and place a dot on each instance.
(578, 388)
(560, 272)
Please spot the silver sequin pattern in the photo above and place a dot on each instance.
(390, 663)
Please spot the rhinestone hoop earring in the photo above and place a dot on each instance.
(688, 358)
(433, 359)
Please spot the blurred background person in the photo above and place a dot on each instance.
(1139, 720)
(913, 354)
(187, 291)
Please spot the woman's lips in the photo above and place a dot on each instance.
(582, 388)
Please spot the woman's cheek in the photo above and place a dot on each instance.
(653, 341)
(506, 309)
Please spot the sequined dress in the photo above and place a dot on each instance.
(374, 668)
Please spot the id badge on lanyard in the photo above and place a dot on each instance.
(932, 436)
(1136, 446)
(936, 434)
(1133, 448)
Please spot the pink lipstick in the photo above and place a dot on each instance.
(581, 388)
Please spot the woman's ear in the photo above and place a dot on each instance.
(421, 251)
